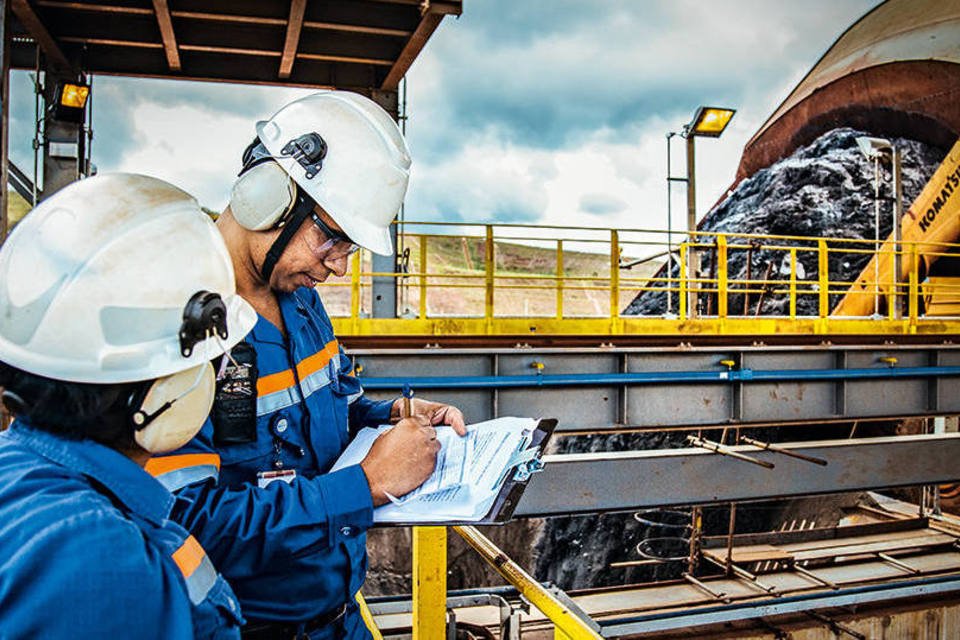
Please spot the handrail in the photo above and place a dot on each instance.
(560, 287)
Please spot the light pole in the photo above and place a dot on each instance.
(876, 149)
(708, 122)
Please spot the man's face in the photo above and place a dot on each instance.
(310, 257)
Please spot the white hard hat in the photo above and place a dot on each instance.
(95, 280)
(364, 171)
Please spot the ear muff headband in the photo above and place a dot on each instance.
(302, 208)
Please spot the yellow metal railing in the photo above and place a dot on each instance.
(574, 288)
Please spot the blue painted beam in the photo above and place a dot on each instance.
(606, 379)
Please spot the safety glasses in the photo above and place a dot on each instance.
(337, 245)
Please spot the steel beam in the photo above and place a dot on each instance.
(592, 389)
(629, 480)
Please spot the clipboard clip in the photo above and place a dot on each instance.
(526, 469)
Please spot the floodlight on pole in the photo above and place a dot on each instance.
(707, 122)
(71, 102)
(878, 149)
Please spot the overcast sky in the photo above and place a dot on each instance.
(517, 113)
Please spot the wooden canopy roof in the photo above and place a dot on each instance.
(363, 45)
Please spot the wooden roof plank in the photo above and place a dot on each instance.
(428, 24)
(292, 41)
(162, 9)
(31, 21)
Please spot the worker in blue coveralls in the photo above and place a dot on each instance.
(326, 175)
(115, 294)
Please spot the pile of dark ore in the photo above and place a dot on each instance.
(824, 190)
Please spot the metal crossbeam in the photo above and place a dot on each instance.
(591, 389)
(628, 480)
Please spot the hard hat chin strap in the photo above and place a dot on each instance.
(300, 212)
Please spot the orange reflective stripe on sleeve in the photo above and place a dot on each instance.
(166, 464)
(177, 471)
(196, 568)
(189, 556)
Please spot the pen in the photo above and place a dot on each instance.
(407, 409)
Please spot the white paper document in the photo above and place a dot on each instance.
(469, 474)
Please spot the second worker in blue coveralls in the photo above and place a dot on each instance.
(325, 175)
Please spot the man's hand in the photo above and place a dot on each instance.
(435, 412)
(401, 459)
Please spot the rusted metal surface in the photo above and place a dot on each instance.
(895, 72)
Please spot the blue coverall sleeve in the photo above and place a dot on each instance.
(364, 412)
(120, 587)
(248, 529)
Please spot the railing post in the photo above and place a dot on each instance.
(722, 282)
(823, 278)
(559, 279)
(682, 274)
(429, 583)
(614, 273)
(355, 290)
(489, 258)
(793, 283)
(914, 302)
(423, 277)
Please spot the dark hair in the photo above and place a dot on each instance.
(73, 410)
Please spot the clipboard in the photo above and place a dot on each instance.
(501, 511)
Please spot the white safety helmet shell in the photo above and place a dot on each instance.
(94, 280)
(366, 169)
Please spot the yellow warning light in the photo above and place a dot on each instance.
(710, 121)
(74, 95)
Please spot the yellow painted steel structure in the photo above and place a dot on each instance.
(718, 287)
(567, 624)
(429, 583)
(932, 223)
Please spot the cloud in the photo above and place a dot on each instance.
(601, 203)
(517, 113)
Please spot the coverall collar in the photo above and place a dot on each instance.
(294, 317)
(120, 475)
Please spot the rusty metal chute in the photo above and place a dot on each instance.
(895, 72)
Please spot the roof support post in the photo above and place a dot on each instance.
(4, 113)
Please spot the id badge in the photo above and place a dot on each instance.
(266, 477)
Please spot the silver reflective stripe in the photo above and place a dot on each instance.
(353, 397)
(180, 478)
(288, 397)
(201, 581)
(316, 380)
(276, 401)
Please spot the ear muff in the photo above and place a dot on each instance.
(262, 196)
(168, 413)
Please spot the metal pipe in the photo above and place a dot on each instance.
(722, 450)
(903, 566)
(786, 452)
(746, 576)
(600, 379)
(812, 576)
(719, 595)
(562, 617)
